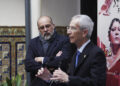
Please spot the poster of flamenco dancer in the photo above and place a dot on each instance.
(108, 38)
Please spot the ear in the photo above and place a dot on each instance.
(85, 32)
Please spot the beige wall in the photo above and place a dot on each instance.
(12, 12)
(61, 12)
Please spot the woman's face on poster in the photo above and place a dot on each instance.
(115, 33)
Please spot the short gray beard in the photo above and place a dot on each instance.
(47, 37)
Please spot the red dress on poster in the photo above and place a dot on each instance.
(113, 54)
(113, 66)
(113, 73)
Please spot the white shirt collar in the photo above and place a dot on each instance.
(83, 46)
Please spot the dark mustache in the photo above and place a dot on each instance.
(46, 33)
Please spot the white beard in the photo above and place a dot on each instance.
(47, 37)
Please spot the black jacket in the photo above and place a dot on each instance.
(91, 69)
(58, 43)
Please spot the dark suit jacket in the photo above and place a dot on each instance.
(35, 49)
(91, 69)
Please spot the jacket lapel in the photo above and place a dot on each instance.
(72, 65)
(53, 44)
(51, 47)
(83, 56)
(39, 47)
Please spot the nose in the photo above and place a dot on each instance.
(116, 33)
(45, 29)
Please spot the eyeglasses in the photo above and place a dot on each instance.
(72, 28)
(45, 26)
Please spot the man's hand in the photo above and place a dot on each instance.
(59, 75)
(39, 59)
(59, 53)
(44, 74)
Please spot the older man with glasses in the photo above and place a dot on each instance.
(88, 67)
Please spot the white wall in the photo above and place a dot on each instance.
(12, 12)
(60, 10)
(35, 14)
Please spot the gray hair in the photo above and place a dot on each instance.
(51, 21)
(85, 22)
